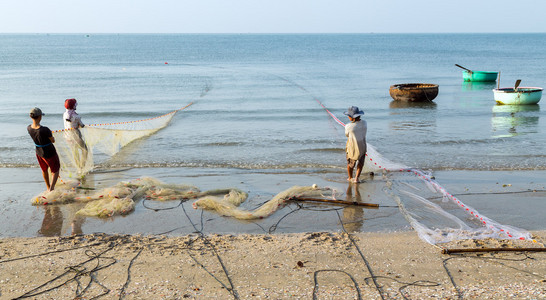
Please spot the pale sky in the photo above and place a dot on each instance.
(271, 16)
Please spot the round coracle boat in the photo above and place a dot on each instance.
(480, 76)
(414, 92)
(518, 96)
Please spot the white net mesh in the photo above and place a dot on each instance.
(440, 217)
(76, 146)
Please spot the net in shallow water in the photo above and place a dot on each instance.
(76, 147)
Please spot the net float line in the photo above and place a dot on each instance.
(333, 201)
(472, 212)
(129, 122)
(486, 222)
(371, 161)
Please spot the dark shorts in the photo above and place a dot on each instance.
(352, 163)
(50, 162)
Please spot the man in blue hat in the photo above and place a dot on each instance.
(356, 142)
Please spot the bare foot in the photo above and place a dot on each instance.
(355, 180)
(349, 179)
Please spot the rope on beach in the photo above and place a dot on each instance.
(419, 283)
(207, 242)
(316, 287)
(494, 259)
(47, 253)
(376, 284)
(78, 271)
(122, 292)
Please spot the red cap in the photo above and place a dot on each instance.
(70, 103)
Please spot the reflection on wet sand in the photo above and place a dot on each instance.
(62, 220)
(353, 215)
(54, 219)
(513, 120)
(52, 224)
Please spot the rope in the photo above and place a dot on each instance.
(129, 122)
(202, 236)
(376, 284)
(122, 292)
(315, 275)
(79, 271)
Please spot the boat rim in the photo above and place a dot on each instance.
(414, 85)
(519, 89)
(487, 72)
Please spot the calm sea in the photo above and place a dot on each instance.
(255, 97)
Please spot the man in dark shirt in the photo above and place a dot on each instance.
(45, 151)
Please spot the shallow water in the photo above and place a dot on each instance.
(255, 97)
(495, 194)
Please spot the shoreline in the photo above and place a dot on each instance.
(279, 266)
(514, 198)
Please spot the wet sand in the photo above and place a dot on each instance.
(513, 198)
(324, 265)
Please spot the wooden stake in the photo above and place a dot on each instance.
(465, 250)
(345, 202)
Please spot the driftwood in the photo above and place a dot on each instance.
(345, 202)
(466, 250)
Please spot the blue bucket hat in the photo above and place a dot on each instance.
(354, 112)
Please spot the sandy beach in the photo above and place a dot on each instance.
(286, 266)
(222, 258)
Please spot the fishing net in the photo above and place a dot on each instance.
(76, 146)
(229, 204)
(120, 198)
(438, 216)
(435, 214)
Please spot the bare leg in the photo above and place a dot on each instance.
(350, 172)
(359, 168)
(54, 181)
(46, 178)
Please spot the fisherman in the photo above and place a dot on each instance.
(70, 117)
(45, 151)
(356, 142)
(72, 124)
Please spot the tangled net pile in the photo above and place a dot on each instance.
(76, 147)
(120, 199)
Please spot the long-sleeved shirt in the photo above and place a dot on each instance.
(356, 139)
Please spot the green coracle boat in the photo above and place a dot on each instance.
(478, 76)
(482, 76)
